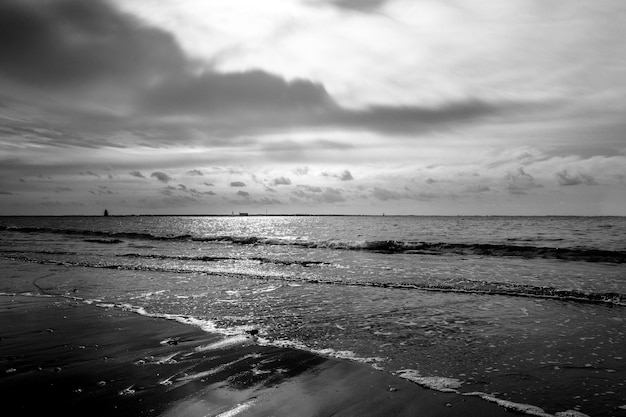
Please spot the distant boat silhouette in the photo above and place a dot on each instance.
(106, 212)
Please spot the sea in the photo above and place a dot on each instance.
(527, 312)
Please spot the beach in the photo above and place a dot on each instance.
(65, 357)
(294, 316)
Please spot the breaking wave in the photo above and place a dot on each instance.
(380, 246)
(465, 286)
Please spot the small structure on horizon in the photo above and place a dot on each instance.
(106, 213)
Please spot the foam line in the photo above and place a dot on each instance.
(237, 409)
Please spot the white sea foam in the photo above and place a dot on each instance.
(149, 294)
(267, 289)
(451, 385)
(571, 413)
(206, 325)
(166, 360)
(339, 354)
(433, 382)
(224, 343)
(527, 409)
(213, 371)
(239, 408)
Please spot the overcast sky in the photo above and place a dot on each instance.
(313, 106)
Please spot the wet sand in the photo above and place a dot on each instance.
(64, 357)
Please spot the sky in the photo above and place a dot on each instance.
(425, 107)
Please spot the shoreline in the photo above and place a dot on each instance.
(84, 359)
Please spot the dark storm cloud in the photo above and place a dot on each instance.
(565, 178)
(74, 42)
(404, 119)
(138, 81)
(161, 176)
(212, 92)
(393, 120)
(72, 46)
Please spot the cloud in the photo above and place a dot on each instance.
(79, 50)
(267, 201)
(477, 189)
(196, 172)
(208, 184)
(281, 181)
(194, 191)
(264, 201)
(237, 184)
(345, 175)
(412, 118)
(301, 170)
(384, 195)
(327, 195)
(161, 176)
(90, 173)
(136, 174)
(213, 92)
(149, 91)
(182, 188)
(565, 178)
(3, 192)
(359, 5)
(103, 189)
(73, 43)
(310, 188)
(519, 182)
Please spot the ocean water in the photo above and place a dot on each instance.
(529, 312)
